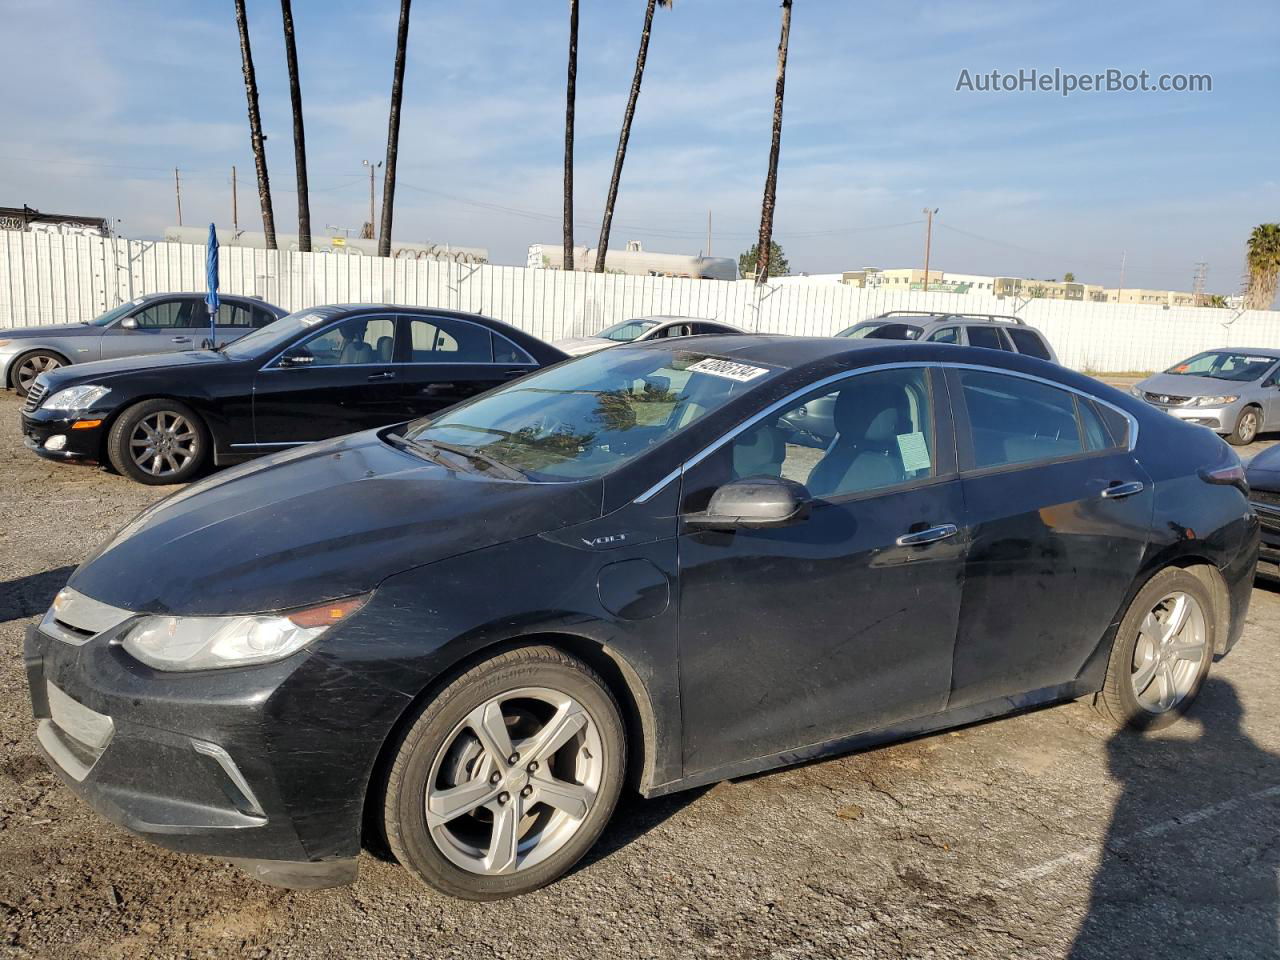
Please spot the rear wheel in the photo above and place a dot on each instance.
(1161, 654)
(507, 777)
(1247, 427)
(30, 365)
(158, 441)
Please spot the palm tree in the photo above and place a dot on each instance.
(765, 244)
(255, 127)
(393, 132)
(571, 86)
(1264, 266)
(603, 247)
(299, 138)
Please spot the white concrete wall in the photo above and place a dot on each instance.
(47, 278)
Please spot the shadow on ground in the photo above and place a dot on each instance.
(30, 595)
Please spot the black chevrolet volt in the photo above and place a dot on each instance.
(309, 376)
(459, 638)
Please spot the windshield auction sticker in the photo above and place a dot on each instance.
(728, 369)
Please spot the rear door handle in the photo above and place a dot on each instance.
(1118, 491)
(932, 535)
(512, 374)
(181, 339)
(384, 375)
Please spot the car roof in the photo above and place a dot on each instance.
(1273, 352)
(925, 317)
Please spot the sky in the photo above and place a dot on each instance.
(113, 96)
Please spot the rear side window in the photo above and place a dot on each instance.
(1028, 342)
(1117, 424)
(441, 340)
(232, 315)
(988, 337)
(504, 351)
(1014, 420)
(262, 317)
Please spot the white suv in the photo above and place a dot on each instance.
(992, 330)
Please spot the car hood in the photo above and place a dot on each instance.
(1182, 385)
(51, 330)
(1263, 472)
(97, 371)
(577, 346)
(323, 521)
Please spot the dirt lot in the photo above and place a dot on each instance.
(1042, 835)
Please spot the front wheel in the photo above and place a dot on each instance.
(507, 777)
(1161, 654)
(31, 365)
(158, 441)
(1247, 427)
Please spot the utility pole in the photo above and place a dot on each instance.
(372, 167)
(708, 232)
(928, 242)
(235, 213)
(1197, 284)
(1120, 289)
(177, 192)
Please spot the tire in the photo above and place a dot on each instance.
(1127, 694)
(442, 750)
(30, 365)
(183, 436)
(1248, 426)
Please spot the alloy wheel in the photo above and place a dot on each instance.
(32, 367)
(514, 781)
(1171, 649)
(163, 443)
(1248, 426)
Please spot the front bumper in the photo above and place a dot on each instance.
(1218, 419)
(41, 427)
(226, 763)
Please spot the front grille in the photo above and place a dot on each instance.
(1271, 497)
(34, 396)
(1165, 400)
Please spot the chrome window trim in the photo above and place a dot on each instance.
(800, 393)
(531, 362)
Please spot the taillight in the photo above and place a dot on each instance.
(1231, 475)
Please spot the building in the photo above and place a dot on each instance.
(26, 219)
(635, 261)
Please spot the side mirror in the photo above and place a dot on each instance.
(754, 502)
(129, 323)
(297, 357)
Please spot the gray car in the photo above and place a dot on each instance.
(643, 328)
(159, 323)
(995, 331)
(1234, 392)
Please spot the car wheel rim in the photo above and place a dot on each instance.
(163, 443)
(514, 782)
(32, 367)
(1171, 649)
(1248, 425)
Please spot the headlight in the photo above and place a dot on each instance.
(1137, 391)
(5, 343)
(205, 643)
(1212, 401)
(76, 398)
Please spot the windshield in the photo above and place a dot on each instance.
(626, 331)
(1224, 365)
(881, 330)
(111, 316)
(588, 416)
(273, 335)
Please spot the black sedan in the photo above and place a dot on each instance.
(1264, 487)
(461, 636)
(309, 376)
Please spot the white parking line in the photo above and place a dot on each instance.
(1083, 854)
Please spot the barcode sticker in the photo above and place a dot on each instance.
(741, 372)
(914, 451)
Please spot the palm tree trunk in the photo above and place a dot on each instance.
(602, 248)
(765, 244)
(255, 127)
(571, 86)
(393, 132)
(299, 137)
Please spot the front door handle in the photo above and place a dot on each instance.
(932, 535)
(384, 375)
(435, 389)
(181, 339)
(1118, 491)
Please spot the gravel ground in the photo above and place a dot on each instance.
(1043, 835)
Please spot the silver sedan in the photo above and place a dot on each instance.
(1234, 392)
(159, 323)
(643, 328)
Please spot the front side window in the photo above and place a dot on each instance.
(360, 340)
(588, 416)
(1237, 366)
(166, 314)
(1015, 420)
(880, 330)
(875, 431)
(945, 335)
